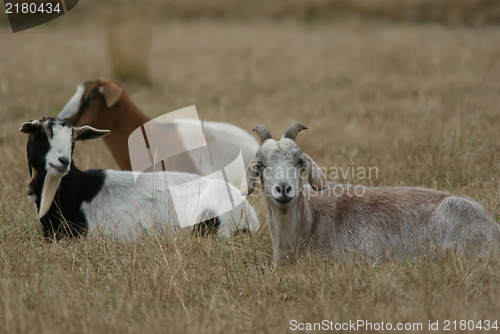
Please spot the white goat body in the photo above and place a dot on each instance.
(125, 207)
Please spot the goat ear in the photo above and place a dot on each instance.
(317, 178)
(87, 132)
(111, 93)
(248, 183)
(29, 127)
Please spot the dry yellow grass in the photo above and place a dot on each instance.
(420, 102)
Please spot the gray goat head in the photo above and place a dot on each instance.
(280, 165)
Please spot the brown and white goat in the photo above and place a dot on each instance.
(373, 222)
(104, 104)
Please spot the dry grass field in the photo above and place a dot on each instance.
(420, 102)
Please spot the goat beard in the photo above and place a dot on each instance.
(50, 186)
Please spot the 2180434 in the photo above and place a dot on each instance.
(32, 7)
(462, 325)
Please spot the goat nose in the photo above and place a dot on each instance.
(64, 161)
(284, 189)
(283, 192)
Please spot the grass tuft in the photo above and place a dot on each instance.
(129, 42)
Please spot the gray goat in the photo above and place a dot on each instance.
(335, 219)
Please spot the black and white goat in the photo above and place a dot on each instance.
(76, 203)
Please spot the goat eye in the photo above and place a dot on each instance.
(300, 163)
(260, 165)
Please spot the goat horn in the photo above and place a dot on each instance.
(263, 132)
(293, 129)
